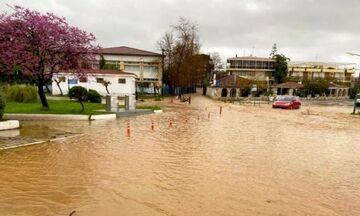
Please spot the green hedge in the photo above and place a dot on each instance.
(21, 93)
(2, 105)
(93, 96)
(354, 91)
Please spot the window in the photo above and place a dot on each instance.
(99, 80)
(150, 80)
(112, 65)
(122, 81)
(132, 68)
(151, 69)
(62, 79)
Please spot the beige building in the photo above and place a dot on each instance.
(321, 70)
(251, 67)
(146, 65)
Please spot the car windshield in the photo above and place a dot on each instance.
(284, 98)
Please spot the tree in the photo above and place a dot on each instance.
(281, 68)
(180, 46)
(314, 87)
(106, 83)
(79, 93)
(58, 81)
(102, 62)
(43, 45)
(355, 90)
(274, 51)
(216, 60)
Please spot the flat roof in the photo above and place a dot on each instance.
(124, 50)
(251, 58)
(317, 63)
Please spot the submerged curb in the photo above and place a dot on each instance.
(9, 124)
(65, 117)
(37, 142)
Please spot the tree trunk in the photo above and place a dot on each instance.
(82, 106)
(42, 96)
(58, 85)
(107, 90)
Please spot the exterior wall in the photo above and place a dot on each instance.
(215, 92)
(147, 68)
(251, 67)
(114, 88)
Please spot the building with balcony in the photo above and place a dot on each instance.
(146, 65)
(251, 67)
(341, 72)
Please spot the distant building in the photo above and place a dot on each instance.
(251, 67)
(146, 65)
(341, 72)
(229, 86)
(296, 88)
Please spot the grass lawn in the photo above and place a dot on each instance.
(56, 107)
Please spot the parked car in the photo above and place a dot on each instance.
(287, 102)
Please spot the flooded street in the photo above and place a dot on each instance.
(248, 161)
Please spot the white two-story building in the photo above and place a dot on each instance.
(146, 65)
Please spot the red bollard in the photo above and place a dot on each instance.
(220, 110)
(170, 123)
(128, 130)
(152, 125)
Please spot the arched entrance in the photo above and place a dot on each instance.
(233, 92)
(224, 92)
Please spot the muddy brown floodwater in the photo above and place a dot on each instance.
(249, 161)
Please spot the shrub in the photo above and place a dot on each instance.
(93, 96)
(79, 93)
(2, 105)
(354, 91)
(314, 87)
(21, 93)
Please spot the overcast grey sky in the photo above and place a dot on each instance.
(320, 30)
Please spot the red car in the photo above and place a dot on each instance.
(286, 102)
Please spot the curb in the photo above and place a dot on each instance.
(9, 124)
(61, 117)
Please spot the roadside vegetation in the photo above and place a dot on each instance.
(24, 99)
(2, 105)
(21, 93)
(57, 107)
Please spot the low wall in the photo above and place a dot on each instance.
(48, 117)
(8, 125)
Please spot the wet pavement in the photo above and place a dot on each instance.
(248, 161)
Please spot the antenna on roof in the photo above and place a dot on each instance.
(252, 53)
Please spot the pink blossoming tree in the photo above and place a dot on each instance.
(43, 45)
